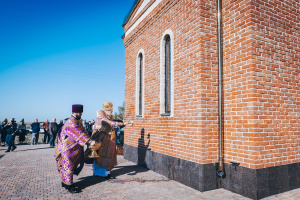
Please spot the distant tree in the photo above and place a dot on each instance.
(120, 114)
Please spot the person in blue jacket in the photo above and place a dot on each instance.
(35, 127)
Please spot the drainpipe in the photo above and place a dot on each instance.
(220, 172)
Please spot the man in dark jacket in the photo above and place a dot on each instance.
(60, 125)
(35, 127)
(53, 129)
(89, 128)
(3, 131)
(11, 134)
(21, 131)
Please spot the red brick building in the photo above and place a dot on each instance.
(172, 87)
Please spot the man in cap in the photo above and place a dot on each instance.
(69, 151)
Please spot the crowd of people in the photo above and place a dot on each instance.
(71, 138)
(10, 130)
(51, 130)
(88, 126)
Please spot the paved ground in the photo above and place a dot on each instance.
(30, 173)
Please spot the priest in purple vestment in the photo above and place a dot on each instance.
(69, 152)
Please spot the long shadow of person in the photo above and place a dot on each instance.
(128, 169)
(142, 152)
(88, 181)
(142, 148)
(35, 149)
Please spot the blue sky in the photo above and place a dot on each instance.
(55, 53)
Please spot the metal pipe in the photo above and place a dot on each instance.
(220, 67)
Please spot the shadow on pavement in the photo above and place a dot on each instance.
(88, 181)
(129, 170)
(34, 149)
(22, 144)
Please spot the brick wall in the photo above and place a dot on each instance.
(239, 124)
(261, 81)
(192, 133)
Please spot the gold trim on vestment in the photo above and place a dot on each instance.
(67, 171)
(81, 137)
(64, 148)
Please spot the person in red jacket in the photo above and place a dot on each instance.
(46, 132)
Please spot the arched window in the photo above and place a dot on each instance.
(167, 74)
(167, 88)
(140, 83)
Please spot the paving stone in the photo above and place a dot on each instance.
(30, 173)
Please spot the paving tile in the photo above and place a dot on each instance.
(30, 173)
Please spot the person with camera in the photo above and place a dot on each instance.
(11, 134)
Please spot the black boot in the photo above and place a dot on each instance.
(109, 177)
(71, 188)
(64, 185)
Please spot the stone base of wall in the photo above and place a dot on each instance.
(252, 183)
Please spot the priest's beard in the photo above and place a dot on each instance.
(109, 114)
(77, 117)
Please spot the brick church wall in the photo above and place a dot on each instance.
(192, 133)
(261, 82)
(261, 90)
